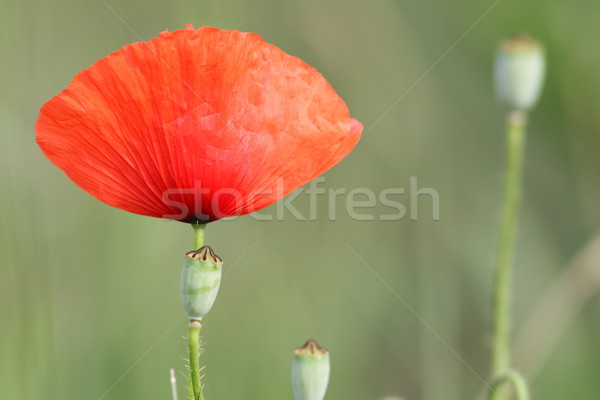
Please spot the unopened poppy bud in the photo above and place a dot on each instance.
(310, 372)
(200, 280)
(519, 72)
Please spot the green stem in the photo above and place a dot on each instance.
(195, 392)
(194, 342)
(198, 235)
(515, 137)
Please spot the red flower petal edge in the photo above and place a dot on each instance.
(196, 125)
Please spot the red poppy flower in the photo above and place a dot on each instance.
(196, 125)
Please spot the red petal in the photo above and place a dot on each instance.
(196, 117)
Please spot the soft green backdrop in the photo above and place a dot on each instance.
(89, 297)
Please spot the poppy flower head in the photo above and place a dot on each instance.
(196, 125)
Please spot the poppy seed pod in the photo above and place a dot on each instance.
(310, 371)
(519, 71)
(200, 281)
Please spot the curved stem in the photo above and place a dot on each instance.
(515, 137)
(194, 343)
(516, 379)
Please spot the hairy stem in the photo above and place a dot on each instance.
(195, 392)
(194, 342)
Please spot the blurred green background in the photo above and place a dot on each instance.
(89, 301)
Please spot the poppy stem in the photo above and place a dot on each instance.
(194, 343)
(195, 327)
(198, 235)
(515, 144)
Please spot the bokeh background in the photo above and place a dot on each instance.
(89, 301)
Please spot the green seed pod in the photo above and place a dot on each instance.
(200, 280)
(519, 71)
(310, 372)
